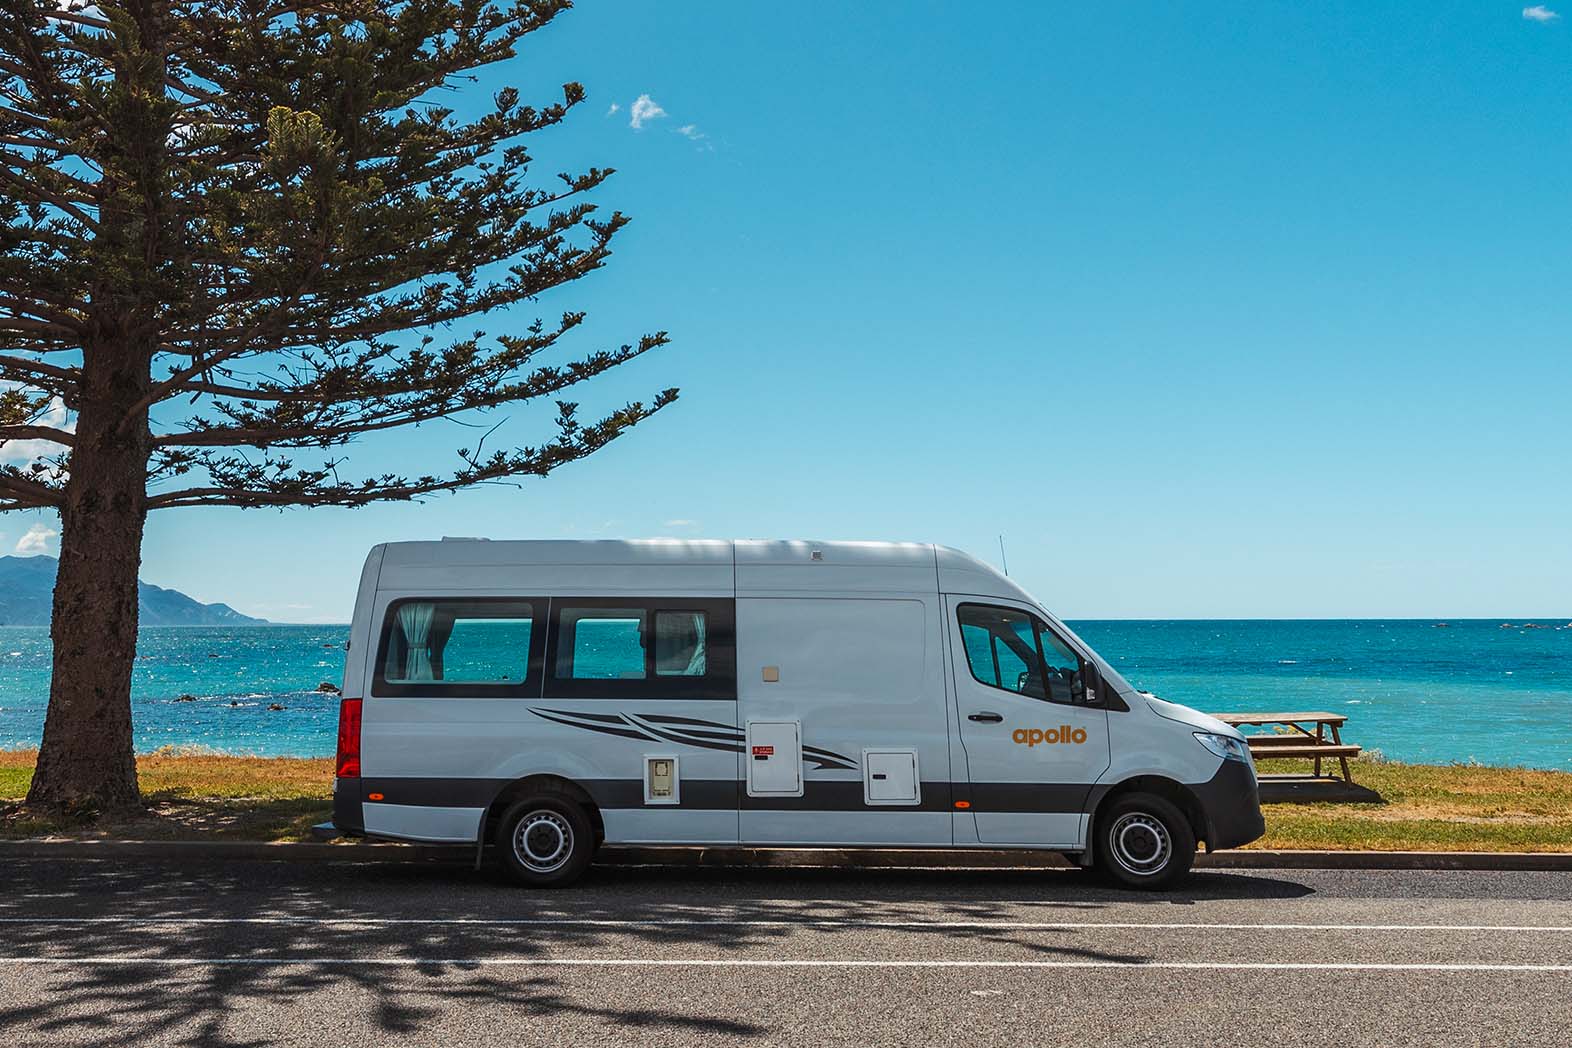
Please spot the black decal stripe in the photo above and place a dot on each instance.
(689, 733)
(644, 727)
(1029, 796)
(693, 794)
(728, 747)
(630, 732)
(666, 718)
(828, 795)
(435, 793)
(828, 759)
(606, 718)
(651, 724)
(831, 795)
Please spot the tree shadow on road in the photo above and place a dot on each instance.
(410, 950)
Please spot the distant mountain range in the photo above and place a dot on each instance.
(27, 591)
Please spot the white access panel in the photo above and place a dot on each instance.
(889, 777)
(774, 758)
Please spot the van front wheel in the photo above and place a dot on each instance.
(1143, 841)
(545, 841)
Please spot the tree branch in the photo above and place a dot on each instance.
(18, 492)
(58, 436)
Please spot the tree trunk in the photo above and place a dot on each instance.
(86, 761)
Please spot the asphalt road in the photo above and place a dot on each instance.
(264, 953)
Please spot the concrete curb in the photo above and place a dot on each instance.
(177, 852)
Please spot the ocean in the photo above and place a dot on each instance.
(1416, 690)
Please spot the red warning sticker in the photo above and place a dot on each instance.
(764, 751)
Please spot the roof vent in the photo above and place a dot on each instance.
(817, 554)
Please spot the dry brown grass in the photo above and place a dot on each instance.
(193, 795)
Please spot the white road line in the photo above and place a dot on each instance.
(641, 962)
(741, 922)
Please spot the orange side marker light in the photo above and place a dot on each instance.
(373, 796)
(963, 804)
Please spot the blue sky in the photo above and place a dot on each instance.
(1223, 310)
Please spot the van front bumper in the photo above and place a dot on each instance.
(1231, 803)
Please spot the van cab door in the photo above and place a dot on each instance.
(1034, 737)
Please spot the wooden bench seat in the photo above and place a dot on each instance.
(1297, 748)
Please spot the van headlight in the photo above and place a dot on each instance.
(1225, 746)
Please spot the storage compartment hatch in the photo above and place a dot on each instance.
(889, 777)
(774, 759)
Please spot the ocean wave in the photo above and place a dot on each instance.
(186, 749)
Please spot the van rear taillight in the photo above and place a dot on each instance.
(348, 739)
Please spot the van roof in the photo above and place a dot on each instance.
(951, 570)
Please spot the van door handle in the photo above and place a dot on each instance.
(986, 717)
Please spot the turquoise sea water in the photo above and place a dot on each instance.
(1469, 691)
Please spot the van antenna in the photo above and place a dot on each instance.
(1002, 558)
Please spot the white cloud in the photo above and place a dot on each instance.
(1539, 13)
(36, 540)
(613, 109)
(692, 133)
(54, 416)
(682, 522)
(644, 108)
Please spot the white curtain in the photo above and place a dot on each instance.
(696, 664)
(415, 621)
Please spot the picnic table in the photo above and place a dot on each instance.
(1292, 736)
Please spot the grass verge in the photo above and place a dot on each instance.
(1426, 807)
(1430, 807)
(192, 797)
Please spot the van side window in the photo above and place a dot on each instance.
(609, 643)
(1010, 649)
(456, 646)
(679, 643)
(642, 647)
(1001, 648)
(1066, 675)
(601, 643)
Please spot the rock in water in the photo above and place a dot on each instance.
(327, 687)
(276, 706)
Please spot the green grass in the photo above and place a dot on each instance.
(1425, 807)
(1431, 808)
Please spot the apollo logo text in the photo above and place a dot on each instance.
(1062, 735)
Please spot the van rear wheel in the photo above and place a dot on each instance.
(546, 841)
(1144, 842)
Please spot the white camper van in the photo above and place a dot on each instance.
(548, 697)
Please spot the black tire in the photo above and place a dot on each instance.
(1144, 842)
(545, 840)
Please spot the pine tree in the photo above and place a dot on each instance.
(235, 236)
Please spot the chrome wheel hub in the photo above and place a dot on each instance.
(1140, 843)
(543, 841)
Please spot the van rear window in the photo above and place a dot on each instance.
(456, 646)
